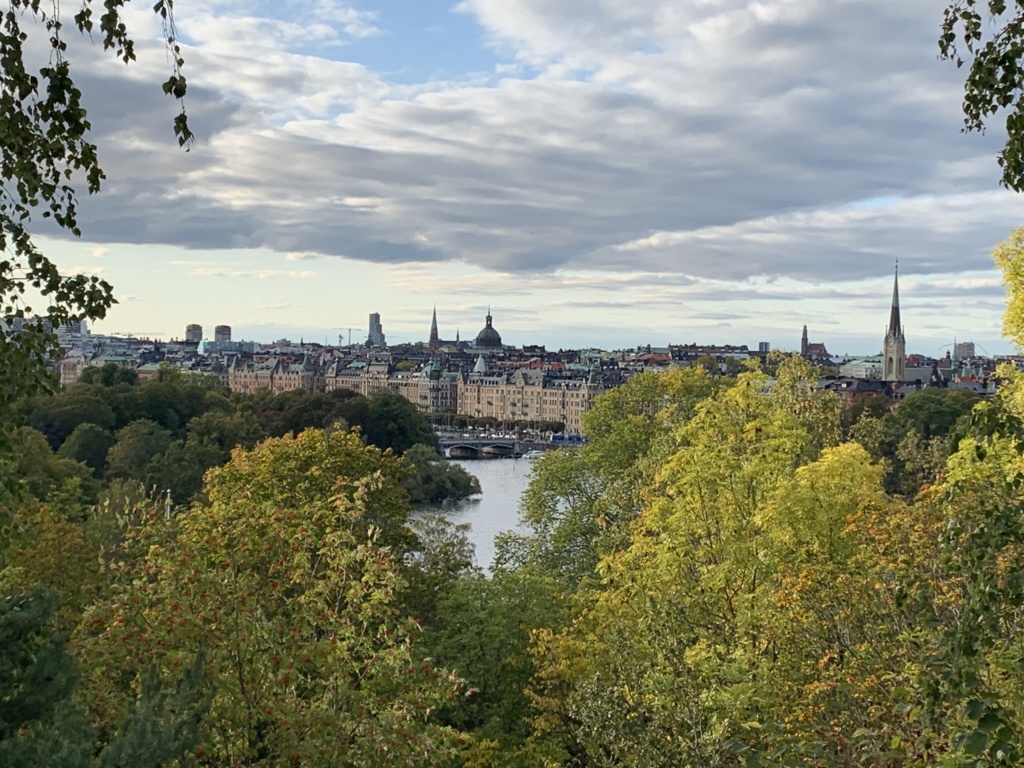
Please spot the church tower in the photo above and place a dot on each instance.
(433, 332)
(894, 350)
(803, 343)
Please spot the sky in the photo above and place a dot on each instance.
(603, 173)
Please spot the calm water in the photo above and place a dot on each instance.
(496, 509)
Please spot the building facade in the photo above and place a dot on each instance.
(375, 338)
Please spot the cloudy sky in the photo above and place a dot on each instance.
(598, 172)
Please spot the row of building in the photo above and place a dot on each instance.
(482, 378)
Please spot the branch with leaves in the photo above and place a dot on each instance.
(45, 155)
(987, 36)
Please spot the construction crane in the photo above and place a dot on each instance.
(140, 335)
(343, 328)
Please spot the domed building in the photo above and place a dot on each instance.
(488, 340)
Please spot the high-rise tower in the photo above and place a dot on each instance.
(433, 331)
(376, 338)
(894, 349)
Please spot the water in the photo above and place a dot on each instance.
(496, 509)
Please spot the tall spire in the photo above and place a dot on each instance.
(895, 326)
(433, 330)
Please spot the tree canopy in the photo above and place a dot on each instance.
(45, 156)
(987, 36)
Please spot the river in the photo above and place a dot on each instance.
(496, 508)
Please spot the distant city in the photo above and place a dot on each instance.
(481, 378)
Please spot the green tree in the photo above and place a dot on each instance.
(135, 446)
(45, 476)
(871, 406)
(579, 504)
(181, 467)
(932, 412)
(89, 444)
(988, 36)
(44, 131)
(40, 724)
(108, 375)
(317, 465)
(431, 478)
(290, 602)
(483, 633)
(226, 431)
(57, 416)
(651, 671)
(394, 422)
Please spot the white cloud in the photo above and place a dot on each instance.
(656, 150)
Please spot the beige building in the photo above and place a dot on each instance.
(273, 375)
(524, 394)
(528, 395)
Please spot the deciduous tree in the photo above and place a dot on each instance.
(280, 585)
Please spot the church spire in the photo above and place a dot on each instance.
(433, 330)
(894, 348)
(895, 326)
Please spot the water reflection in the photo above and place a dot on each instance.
(496, 509)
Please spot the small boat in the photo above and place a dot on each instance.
(534, 454)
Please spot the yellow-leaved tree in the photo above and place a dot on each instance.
(281, 586)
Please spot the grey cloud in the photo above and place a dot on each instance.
(745, 152)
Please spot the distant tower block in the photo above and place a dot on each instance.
(376, 336)
(894, 348)
(764, 346)
(222, 334)
(194, 332)
(965, 350)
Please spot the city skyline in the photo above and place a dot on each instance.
(724, 172)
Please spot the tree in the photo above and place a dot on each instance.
(58, 416)
(289, 601)
(933, 412)
(989, 36)
(433, 479)
(108, 375)
(89, 444)
(393, 422)
(483, 634)
(45, 476)
(181, 467)
(656, 667)
(135, 446)
(44, 131)
(318, 465)
(40, 724)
